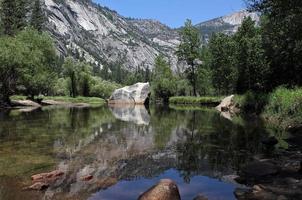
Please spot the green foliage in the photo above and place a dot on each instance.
(204, 74)
(102, 88)
(80, 81)
(282, 40)
(250, 60)
(183, 87)
(189, 51)
(163, 82)
(223, 63)
(251, 102)
(12, 56)
(79, 77)
(189, 100)
(38, 70)
(284, 107)
(27, 63)
(61, 87)
(70, 72)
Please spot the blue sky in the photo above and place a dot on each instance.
(174, 12)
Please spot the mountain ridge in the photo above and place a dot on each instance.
(102, 37)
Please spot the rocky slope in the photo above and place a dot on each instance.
(103, 37)
(227, 24)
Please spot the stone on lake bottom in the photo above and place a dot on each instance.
(38, 186)
(87, 178)
(46, 177)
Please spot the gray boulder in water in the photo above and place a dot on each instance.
(134, 94)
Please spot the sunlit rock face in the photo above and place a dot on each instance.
(101, 36)
(137, 114)
(228, 24)
(134, 94)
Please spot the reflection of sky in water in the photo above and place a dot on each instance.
(130, 190)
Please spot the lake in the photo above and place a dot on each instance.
(126, 150)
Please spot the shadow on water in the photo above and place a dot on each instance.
(125, 149)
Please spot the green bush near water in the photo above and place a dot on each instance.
(251, 102)
(284, 107)
(281, 108)
(187, 100)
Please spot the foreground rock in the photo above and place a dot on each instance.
(166, 189)
(24, 103)
(134, 94)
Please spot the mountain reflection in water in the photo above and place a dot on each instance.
(126, 151)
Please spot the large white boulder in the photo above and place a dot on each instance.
(134, 94)
(226, 104)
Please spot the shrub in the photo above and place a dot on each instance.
(251, 102)
(61, 87)
(102, 88)
(284, 107)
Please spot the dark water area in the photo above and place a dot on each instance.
(125, 150)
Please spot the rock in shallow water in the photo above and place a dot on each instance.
(166, 189)
(134, 94)
(259, 169)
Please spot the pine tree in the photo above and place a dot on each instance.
(38, 17)
(13, 16)
(189, 50)
(8, 8)
(20, 15)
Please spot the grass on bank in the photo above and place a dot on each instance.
(189, 100)
(94, 101)
(282, 108)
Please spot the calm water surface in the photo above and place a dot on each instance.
(126, 150)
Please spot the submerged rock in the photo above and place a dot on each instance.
(45, 177)
(200, 197)
(166, 189)
(44, 180)
(134, 94)
(87, 178)
(38, 186)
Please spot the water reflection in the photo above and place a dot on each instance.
(199, 146)
(137, 114)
